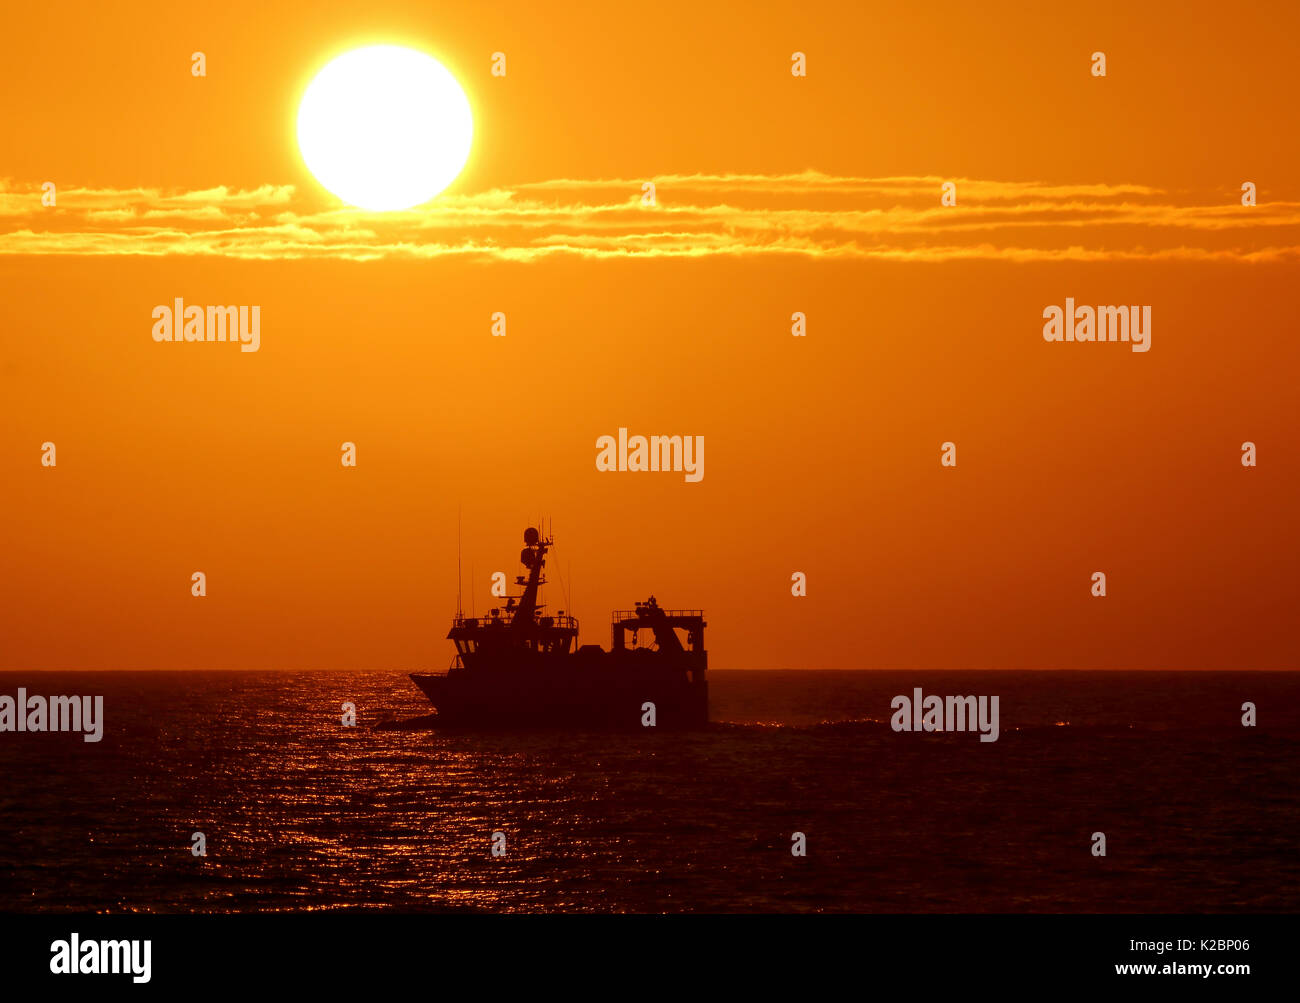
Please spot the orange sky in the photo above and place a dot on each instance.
(775, 194)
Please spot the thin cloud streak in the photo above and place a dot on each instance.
(810, 215)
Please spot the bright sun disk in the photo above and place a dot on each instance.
(385, 127)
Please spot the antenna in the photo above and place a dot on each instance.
(460, 606)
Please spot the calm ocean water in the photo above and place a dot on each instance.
(1200, 814)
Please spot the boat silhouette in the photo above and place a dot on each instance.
(519, 667)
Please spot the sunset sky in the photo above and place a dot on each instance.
(775, 194)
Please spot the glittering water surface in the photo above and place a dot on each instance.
(1200, 814)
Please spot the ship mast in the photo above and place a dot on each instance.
(533, 557)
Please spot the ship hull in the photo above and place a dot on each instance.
(566, 697)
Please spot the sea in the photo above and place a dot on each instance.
(801, 797)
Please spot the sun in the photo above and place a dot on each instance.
(385, 127)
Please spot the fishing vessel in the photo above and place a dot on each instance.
(521, 667)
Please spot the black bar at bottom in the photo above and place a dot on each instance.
(336, 951)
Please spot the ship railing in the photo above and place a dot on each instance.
(642, 612)
(561, 622)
